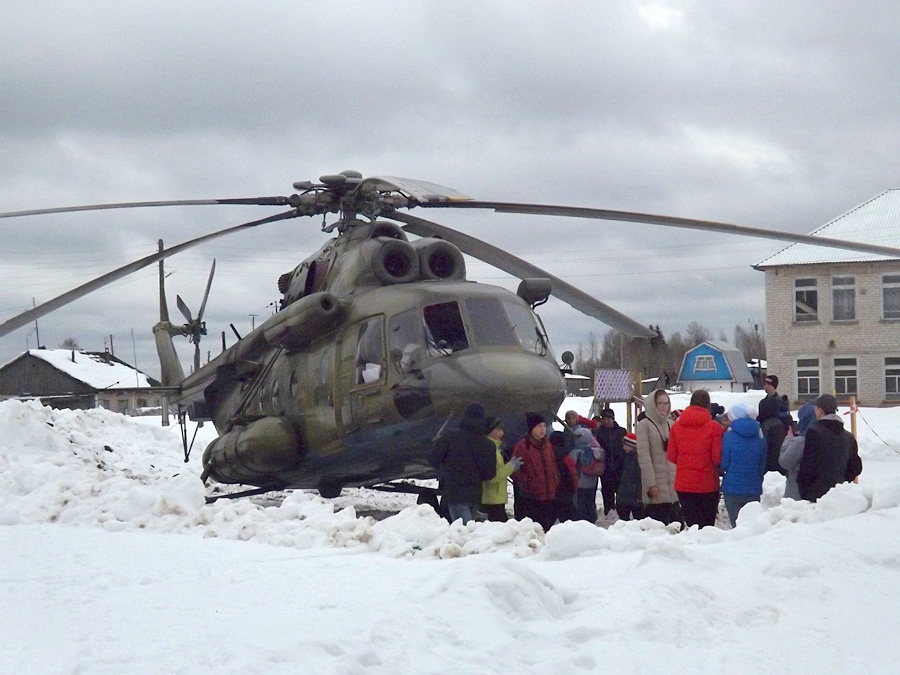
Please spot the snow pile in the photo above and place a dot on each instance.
(100, 468)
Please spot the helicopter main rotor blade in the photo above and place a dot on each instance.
(247, 201)
(25, 317)
(212, 271)
(669, 221)
(517, 267)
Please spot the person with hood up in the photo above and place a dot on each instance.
(464, 458)
(743, 461)
(830, 454)
(585, 448)
(695, 448)
(538, 479)
(792, 449)
(493, 492)
(629, 504)
(657, 473)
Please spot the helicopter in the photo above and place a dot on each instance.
(379, 342)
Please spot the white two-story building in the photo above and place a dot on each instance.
(833, 316)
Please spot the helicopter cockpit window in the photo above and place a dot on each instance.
(444, 329)
(370, 351)
(490, 326)
(406, 340)
(528, 331)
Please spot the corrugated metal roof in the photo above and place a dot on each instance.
(876, 221)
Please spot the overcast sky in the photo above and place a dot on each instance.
(770, 114)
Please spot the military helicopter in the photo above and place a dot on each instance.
(379, 342)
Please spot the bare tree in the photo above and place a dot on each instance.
(69, 343)
(751, 340)
(695, 333)
(587, 356)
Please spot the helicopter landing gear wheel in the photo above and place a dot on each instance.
(330, 491)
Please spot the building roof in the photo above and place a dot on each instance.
(97, 370)
(876, 221)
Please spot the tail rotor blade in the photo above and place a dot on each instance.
(182, 306)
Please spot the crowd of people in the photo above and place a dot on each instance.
(674, 468)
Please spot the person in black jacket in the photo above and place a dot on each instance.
(610, 436)
(464, 458)
(830, 454)
(774, 420)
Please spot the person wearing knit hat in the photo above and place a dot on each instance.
(538, 478)
(629, 504)
(464, 457)
(610, 436)
(493, 492)
(743, 461)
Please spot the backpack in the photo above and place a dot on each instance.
(591, 466)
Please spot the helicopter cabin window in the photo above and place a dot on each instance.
(444, 329)
(370, 351)
(490, 325)
(526, 328)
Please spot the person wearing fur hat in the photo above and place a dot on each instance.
(629, 504)
(792, 449)
(830, 453)
(538, 479)
(743, 461)
(493, 492)
(464, 458)
(657, 472)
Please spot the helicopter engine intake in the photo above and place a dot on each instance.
(439, 260)
(295, 326)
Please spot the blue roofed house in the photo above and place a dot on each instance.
(833, 316)
(715, 366)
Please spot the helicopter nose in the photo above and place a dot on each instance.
(504, 383)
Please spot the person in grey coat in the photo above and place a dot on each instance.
(586, 446)
(792, 449)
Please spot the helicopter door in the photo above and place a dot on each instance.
(363, 373)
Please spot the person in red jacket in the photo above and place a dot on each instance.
(695, 448)
(538, 479)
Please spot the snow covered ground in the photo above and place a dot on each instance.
(94, 579)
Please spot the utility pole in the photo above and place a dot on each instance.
(253, 321)
(36, 329)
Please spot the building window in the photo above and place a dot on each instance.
(705, 363)
(122, 406)
(845, 376)
(808, 378)
(806, 300)
(892, 378)
(843, 298)
(890, 296)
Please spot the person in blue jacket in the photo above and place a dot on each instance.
(743, 461)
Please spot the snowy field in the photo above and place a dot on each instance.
(110, 562)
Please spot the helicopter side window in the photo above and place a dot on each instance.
(444, 329)
(490, 326)
(370, 351)
(406, 340)
(526, 328)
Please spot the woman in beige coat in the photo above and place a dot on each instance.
(657, 472)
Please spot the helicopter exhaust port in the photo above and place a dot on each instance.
(256, 451)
